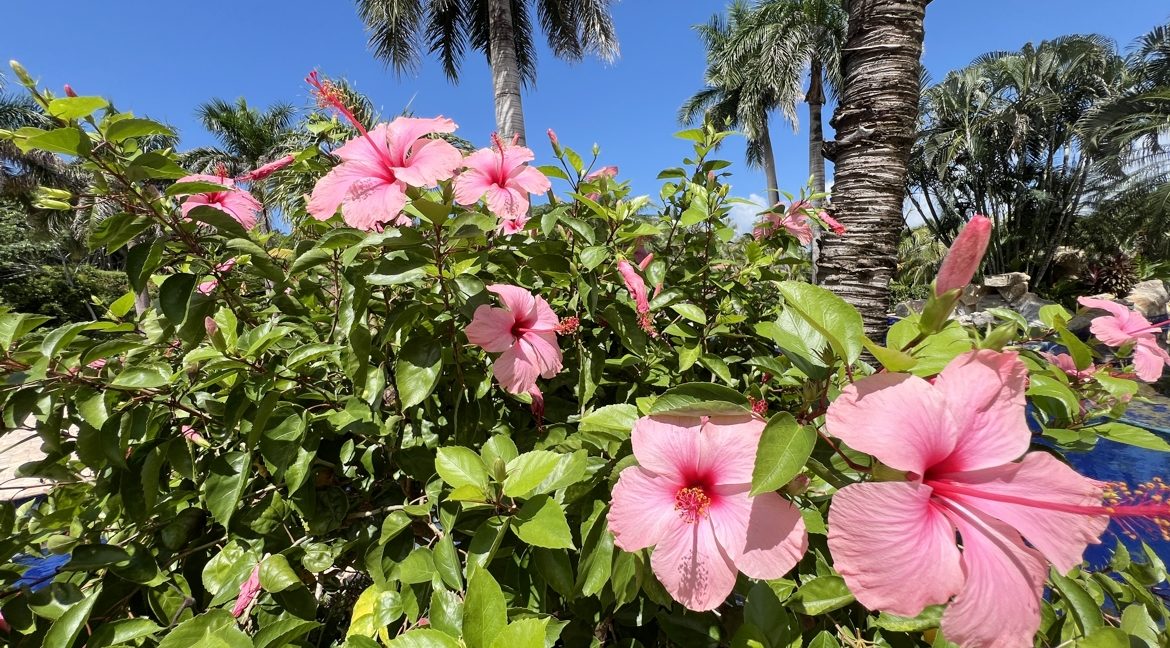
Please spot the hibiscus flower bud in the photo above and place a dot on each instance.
(964, 257)
(210, 325)
(798, 485)
(69, 91)
(556, 144)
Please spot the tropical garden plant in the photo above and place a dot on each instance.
(434, 415)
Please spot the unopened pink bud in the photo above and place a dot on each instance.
(267, 170)
(248, 592)
(210, 325)
(552, 137)
(965, 255)
(191, 435)
(69, 91)
(798, 485)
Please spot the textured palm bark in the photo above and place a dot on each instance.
(816, 145)
(769, 162)
(505, 71)
(874, 122)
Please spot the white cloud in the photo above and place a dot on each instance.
(743, 215)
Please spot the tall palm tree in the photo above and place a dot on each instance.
(248, 138)
(875, 125)
(501, 29)
(743, 87)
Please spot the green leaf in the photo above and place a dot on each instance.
(446, 612)
(221, 221)
(69, 108)
(485, 614)
(154, 165)
(447, 562)
(141, 260)
(929, 618)
(14, 326)
(276, 575)
(376, 608)
(524, 633)
(615, 420)
(829, 315)
(423, 638)
(310, 352)
(135, 127)
(65, 630)
(1130, 435)
(700, 398)
(417, 370)
(820, 595)
(122, 631)
(541, 522)
(93, 557)
(59, 338)
(691, 312)
(824, 640)
(527, 471)
(215, 629)
(69, 140)
(117, 230)
(1081, 606)
(784, 447)
(282, 632)
(764, 611)
(592, 256)
(143, 377)
(459, 466)
(175, 294)
(224, 485)
(261, 260)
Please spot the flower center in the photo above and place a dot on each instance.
(692, 504)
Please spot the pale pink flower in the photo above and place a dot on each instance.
(97, 365)
(501, 173)
(637, 287)
(688, 498)
(524, 333)
(233, 201)
(831, 223)
(508, 226)
(793, 221)
(610, 171)
(249, 589)
(377, 167)
(266, 170)
(206, 287)
(191, 435)
(1065, 363)
(957, 441)
(964, 256)
(1123, 326)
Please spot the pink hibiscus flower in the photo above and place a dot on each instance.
(509, 226)
(233, 201)
(502, 174)
(1123, 326)
(831, 223)
(206, 287)
(610, 171)
(964, 256)
(524, 333)
(957, 441)
(1065, 363)
(688, 498)
(249, 589)
(794, 221)
(637, 287)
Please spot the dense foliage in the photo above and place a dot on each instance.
(301, 441)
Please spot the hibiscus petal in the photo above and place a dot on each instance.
(331, 190)
(775, 537)
(372, 152)
(1149, 359)
(491, 329)
(516, 299)
(370, 202)
(692, 567)
(642, 509)
(544, 351)
(984, 391)
(531, 180)
(898, 418)
(667, 445)
(471, 185)
(546, 319)
(402, 134)
(727, 448)
(430, 162)
(884, 535)
(1004, 582)
(1060, 535)
(515, 371)
(242, 206)
(506, 202)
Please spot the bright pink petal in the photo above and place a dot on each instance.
(331, 190)
(371, 152)
(667, 445)
(516, 299)
(1149, 359)
(1120, 311)
(635, 284)
(403, 133)
(898, 418)
(727, 448)
(999, 605)
(515, 371)
(984, 391)
(1060, 535)
(610, 171)
(1110, 330)
(249, 589)
(430, 162)
(546, 319)
(371, 202)
(764, 535)
(531, 180)
(506, 202)
(894, 548)
(642, 509)
(692, 567)
(491, 329)
(542, 348)
(242, 206)
(471, 185)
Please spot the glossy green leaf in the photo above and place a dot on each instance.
(784, 448)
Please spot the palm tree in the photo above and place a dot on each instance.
(742, 89)
(248, 138)
(501, 29)
(875, 125)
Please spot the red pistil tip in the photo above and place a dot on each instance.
(692, 504)
(329, 95)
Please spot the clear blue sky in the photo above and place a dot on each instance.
(162, 58)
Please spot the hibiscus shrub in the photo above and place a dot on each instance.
(433, 414)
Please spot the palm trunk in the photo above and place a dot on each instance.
(875, 122)
(505, 71)
(769, 162)
(816, 145)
